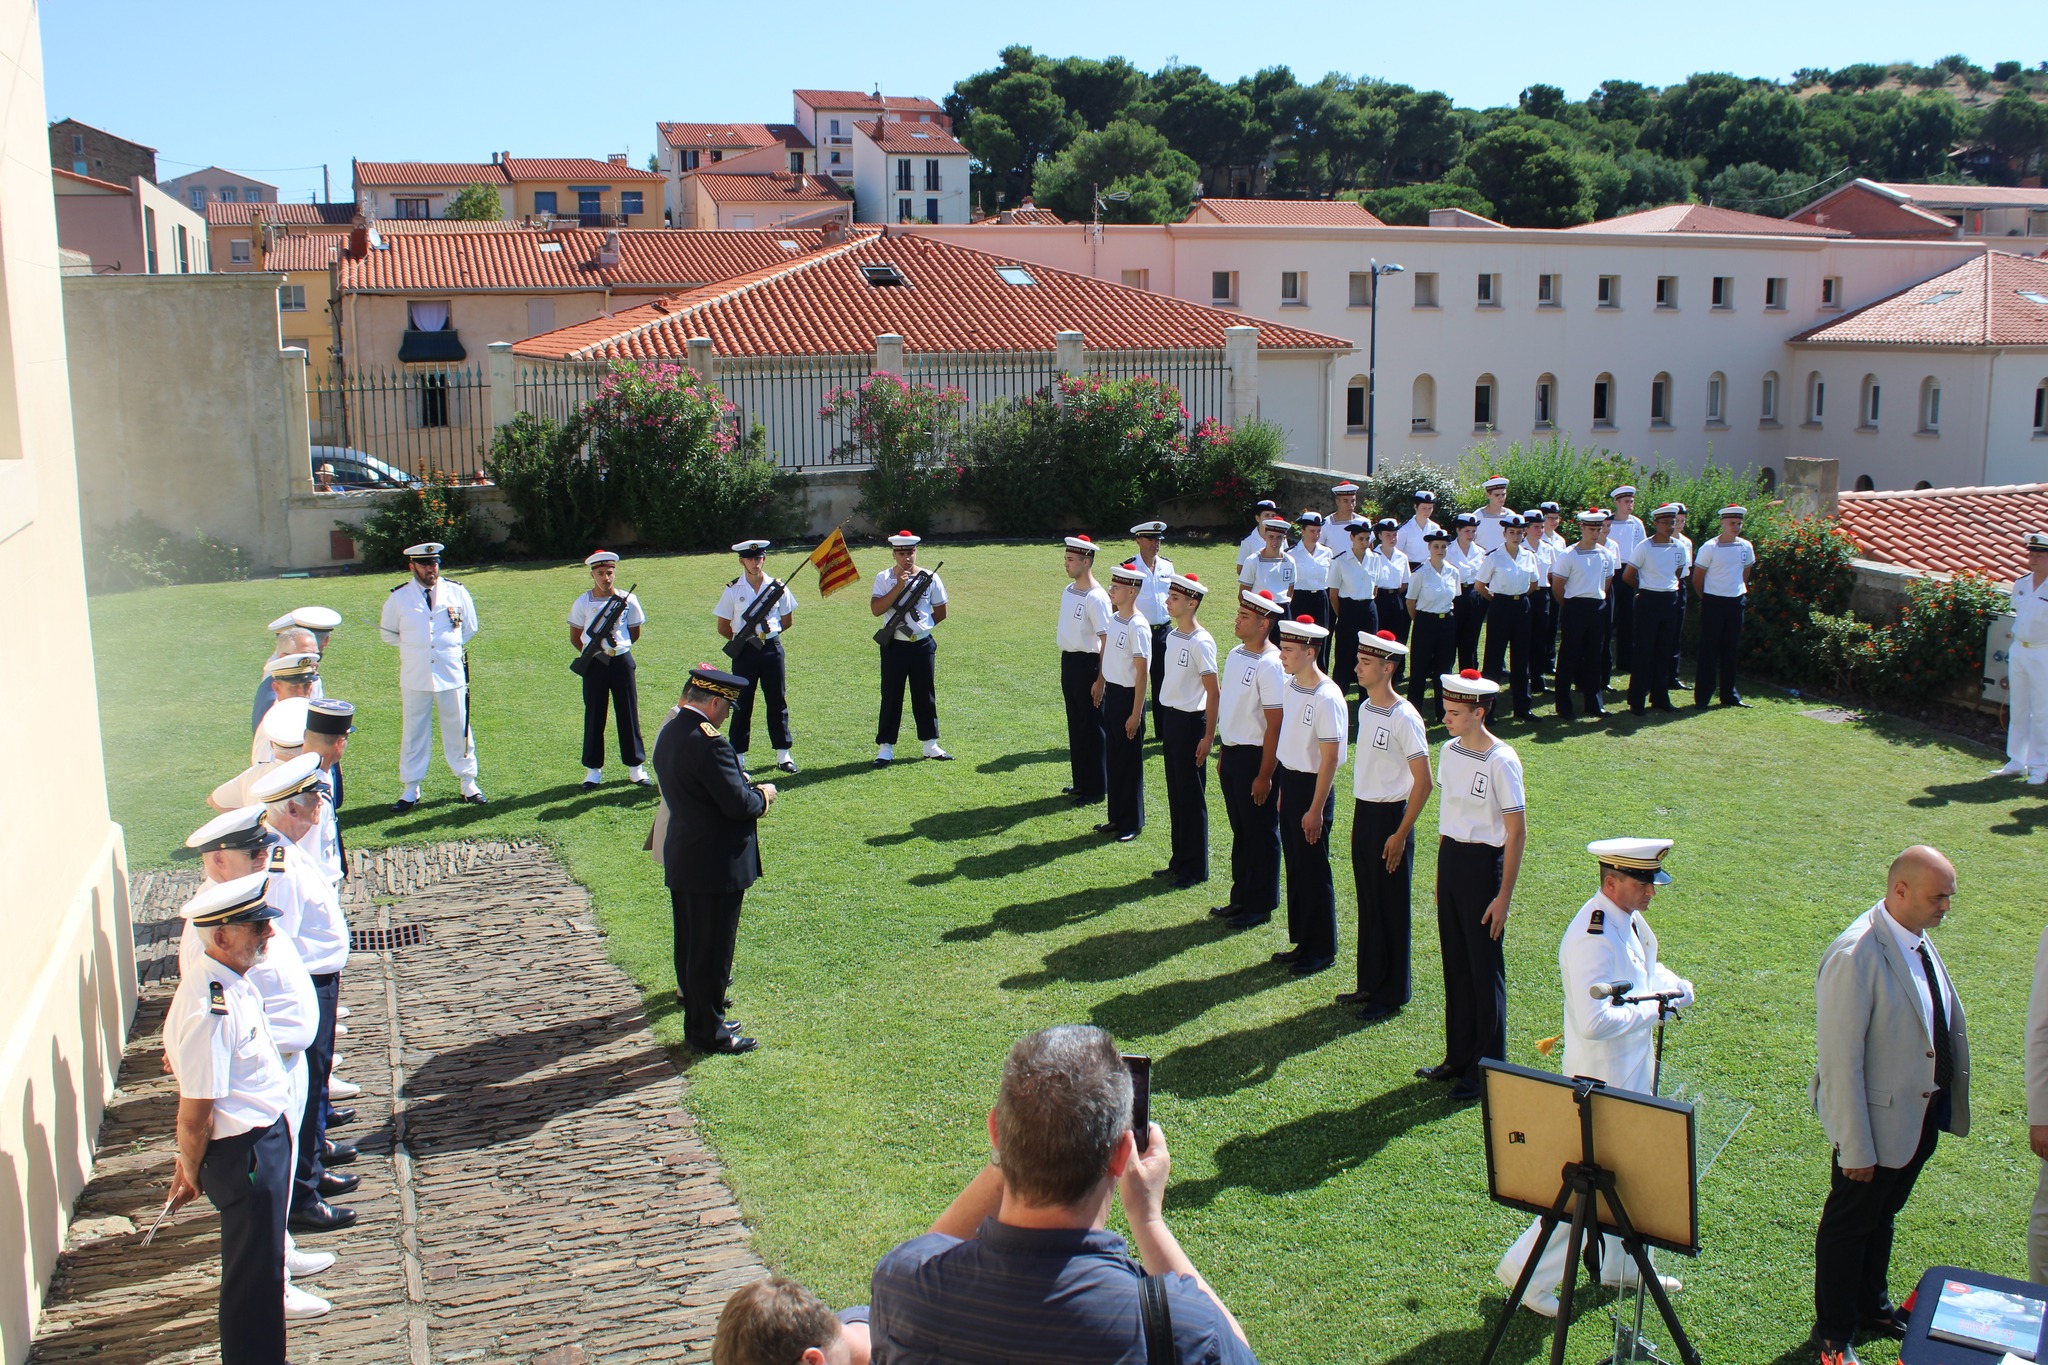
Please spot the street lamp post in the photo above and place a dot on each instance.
(1372, 355)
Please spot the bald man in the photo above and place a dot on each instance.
(1893, 1074)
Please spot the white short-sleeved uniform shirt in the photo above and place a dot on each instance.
(1084, 619)
(1248, 685)
(739, 596)
(1468, 560)
(1310, 718)
(1390, 571)
(220, 1048)
(1434, 590)
(1387, 742)
(1355, 579)
(1128, 656)
(1584, 571)
(320, 928)
(1507, 575)
(1477, 792)
(1489, 537)
(1624, 534)
(1275, 576)
(2029, 611)
(1724, 565)
(1190, 657)
(1253, 544)
(1660, 568)
(1311, 567)
(1152, 592)
(1545, 556)
(918, 623)
(1409, 539)
(585, 610)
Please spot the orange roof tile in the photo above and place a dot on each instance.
(517, 259)
(1283, 213)
(524, 168)
(424, 173)
(951, 300)
(1707, 218)
(741, 187)
(1033, 217)
(1969, 196)
(1996, 299)
(236, 215)
(855, 99)
(1948, 530)
(744, 136)
(311, 251)
(923, 139)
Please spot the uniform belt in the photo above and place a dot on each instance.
(1090, 652)
(1657, 592)
(1513, 595)
(1439, 615)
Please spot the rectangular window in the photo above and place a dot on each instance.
(1774, 292)
(903, 177)
(1360, 290)
(1769, 412)
(291, 298)
(1930, 420)
(1820, 402)
(1549, 291)
(1601, 407)
(544, 202)
(931, 176)
(1223, 286)
(903, 210)
(184, 252)
(1831, 291)
(1137, 279)
(1489, 291)
(431, 389)
(1543, 418)
(1659, 414)
(197, 195)
(1482, 407)
(931, 210)
(238, 251)
(1608, 292)
(631, 202)
(717, 155)
(1870, 406)
(1714, 399)
(1724, 291)
(589, 203)
(1425, 289)
(1291, 282)
(410, 208)
(78, 144)
(2041, 410)
(1354, 408)
(149, 237)
(1667, 291)
(78, 167)
(689, 161)
(796, 163)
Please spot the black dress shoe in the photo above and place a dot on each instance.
(1125, 838)
(340, 1118)
(727, 1045)
(1183, 883)
(1067, 791)
(1288, 956)
(401, 806)
(1309, 966)
(332, 1184)
(337, 1153)
(476, 799)
(1664, 706)
(1890, 1323)
(1105, 828)
(1465, 1091)
(1739, 702)
(883, 762)
(1250, 919)
(1372, 1014)
(1162, 872)
(1442, 1071)
(590, 786)
(1354, 997)
(1223, 911)
(320, 1216)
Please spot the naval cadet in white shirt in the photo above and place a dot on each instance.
(1354, 599)
(1490, 517)
(430, 621)
(1540, 538)
(1655, 571)
(1508, 581)
(1312, 578)
(1390, 592)
(1720, 574)
(609, 674)
(1413, 537)
(1578, 583)
(1263, 509)
(1390, 785)
(762, 661)
(1433, 633)
(1152, 596)
(910, 655)
(1187, 716)
(1464, 555)
(1313, 733)
(1126, 675)
(1344, 497)
(1251, 686)
(2026, 735)
(1272, 568)
(1083, 624)
(1625, 531)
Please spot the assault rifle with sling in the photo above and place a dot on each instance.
(906, 603)
(600, 631)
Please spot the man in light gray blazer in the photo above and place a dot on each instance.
(2037, 1112)
(1894, 1073)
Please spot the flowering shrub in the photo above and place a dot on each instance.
(1120, 440)
(1801, 570)
(906, 432)
(438, 509)
(1937, 642)
(1230, 467)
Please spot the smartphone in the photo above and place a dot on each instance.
(1140, 1068)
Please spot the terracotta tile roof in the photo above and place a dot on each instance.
(951, 300)
(236, 215)
(1867, 209)
(923, 139)
(311, 251)
(1029, 218)
(1283, 213)
(1968, 196)
(856, 99)
(1997, 299)
(425, 173)
(524, 168)
(1707, 218)
(741, 187)
(518, 259)
(1949, 530)
(730, 136)
(75, 178)
(391, 227)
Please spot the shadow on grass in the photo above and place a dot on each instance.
(1306, 1152)
(1005, 862)
(1120, 953)
(976, 823)
(448, 817)
(1165, 1007)
(1038, 917)
(1009, 763)
(1527, 1338)
(1230, 1062)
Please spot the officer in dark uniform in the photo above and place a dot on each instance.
(709, 856)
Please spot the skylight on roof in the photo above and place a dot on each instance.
(881, 274)
(550, 246)
(786, 244)
(2033, 296)
(1015, 274)
(920, 134)
(1941, 296)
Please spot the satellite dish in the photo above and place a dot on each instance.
(376, 240)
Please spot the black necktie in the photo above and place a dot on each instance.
(1944, 1046)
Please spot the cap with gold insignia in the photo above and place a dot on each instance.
(292, 777)
(425, 550)
(2037, 541)
(1627, 490)
(1497, 481)
(1345, 487)
(240, 830)
(1467, 684)
(1280, 524)
(284, 724)
(317, 619)
(292, 667)
(1669, 509)
(598, 557)
(1382, 642)
(1733, 510)
(1188, 583)
(717, 682)
(1127, 572)
(1303, 628)
(751, 549)
(1081, 545)
(1642, 859)
(235, 902)
(903, 539)
(1262, 600)
(331, 716)
(1154, 529)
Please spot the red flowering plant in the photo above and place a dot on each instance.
(1122, 442)
(1802, 570)
(905, 432)
(1231, 467)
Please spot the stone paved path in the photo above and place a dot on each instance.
(532, 1189)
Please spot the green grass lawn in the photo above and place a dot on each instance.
(915, 921)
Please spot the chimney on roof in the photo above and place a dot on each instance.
(834, 233)
(608, 254)
(359, 240)
(1007, 216)
(616, 158)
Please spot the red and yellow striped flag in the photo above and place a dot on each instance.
(835, 564)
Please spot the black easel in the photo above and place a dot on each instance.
(1584, 1182)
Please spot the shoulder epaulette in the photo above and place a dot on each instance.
(1597, 924)
(730, 581)
(396, 586)
(216, 997)
(276, 858)
(710, 730)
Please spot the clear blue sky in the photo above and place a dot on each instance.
(270, 87)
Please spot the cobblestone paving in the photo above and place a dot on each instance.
(532, 1189)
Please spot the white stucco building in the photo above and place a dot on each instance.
(908, 172)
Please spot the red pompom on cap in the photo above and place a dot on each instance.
(1389, 635)
(1089, 539)
(1304, 620)
(1265, 594)
(903, 533)
(1193, 578)
(1469, 674)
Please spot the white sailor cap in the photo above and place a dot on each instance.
(426, 549)
(1669, 509)
(1081, 545)
(1551, 507)
(2037, 541)
(1627, 490)
(1280, 524)
(1465, 521)
(1261, 600)
(1310, 518)
(903, 539)
(292, 667)
(284, 724)
(751, 549)
(1435, 532)
(1642, 859)
(1512, 521)
(1468, 685)
(1532, 515)
(1386, 524)
(320, 619)
(238, 829)
(1188, 583)
(601, 557)
(282, 781)
(1497, 481)
(1127, 572)
(1303, 628)
(1346, 487)
(1265, 505)
(1383, 642)
(1149, 528)
(1737, 510)
(1359, 526)
(236, 902)
(1592, 516)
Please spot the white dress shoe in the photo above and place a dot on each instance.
(342, 1011)
(340, 1029)
(334, 1062)
(1541, 1302)
(342, 1090)
(299, 1304)
(2013, 768)
(306, 1264)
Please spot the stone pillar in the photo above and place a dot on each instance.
(1068, 348)
(889, 354)
(1241, 359)
(1812, 486)
(298, 430)
(701, 361)
(504, 375)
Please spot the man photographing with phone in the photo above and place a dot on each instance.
(1024, 1254)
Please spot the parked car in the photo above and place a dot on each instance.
(341, 469)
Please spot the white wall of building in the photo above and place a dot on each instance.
(876, 195)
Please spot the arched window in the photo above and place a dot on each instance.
(1816, 398)
(1767, 413)
(1546, 402)
(1717, 399)
(1603, 401)
(1482, 403)
(1422, 415)
(1768, 477)
(1922, 484)
(1867, 401)
(1354, 405)
(227, 194)
(1930, 404)
(1660, 401)
(1865, 484)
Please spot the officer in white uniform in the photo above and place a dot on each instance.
(279, 739)
(289, 675)
(1152, 599)
(233, 1140)
(1607, 943)
(431, 621)
(291, 629)
(2026, 735)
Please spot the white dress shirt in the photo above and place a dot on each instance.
(1909, 944)
(1190, 657)
(1152, 592)
(1249, 685)
(1434, 590)
(222, 1050)
(585, 610)
(918, 623)
(1724, 565)
(1084, 619)
(1409, 540)
(1510, 575)
(738, 596)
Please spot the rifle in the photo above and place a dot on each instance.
(746, 631)
(600, 631)
(906, 602)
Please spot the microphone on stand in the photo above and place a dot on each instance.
(1610, 990)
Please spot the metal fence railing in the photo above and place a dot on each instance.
(558, 391)
(1201, 376)
(983, 376)
(784, 396)
(418, 419)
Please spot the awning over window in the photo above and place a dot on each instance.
(419, 345)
